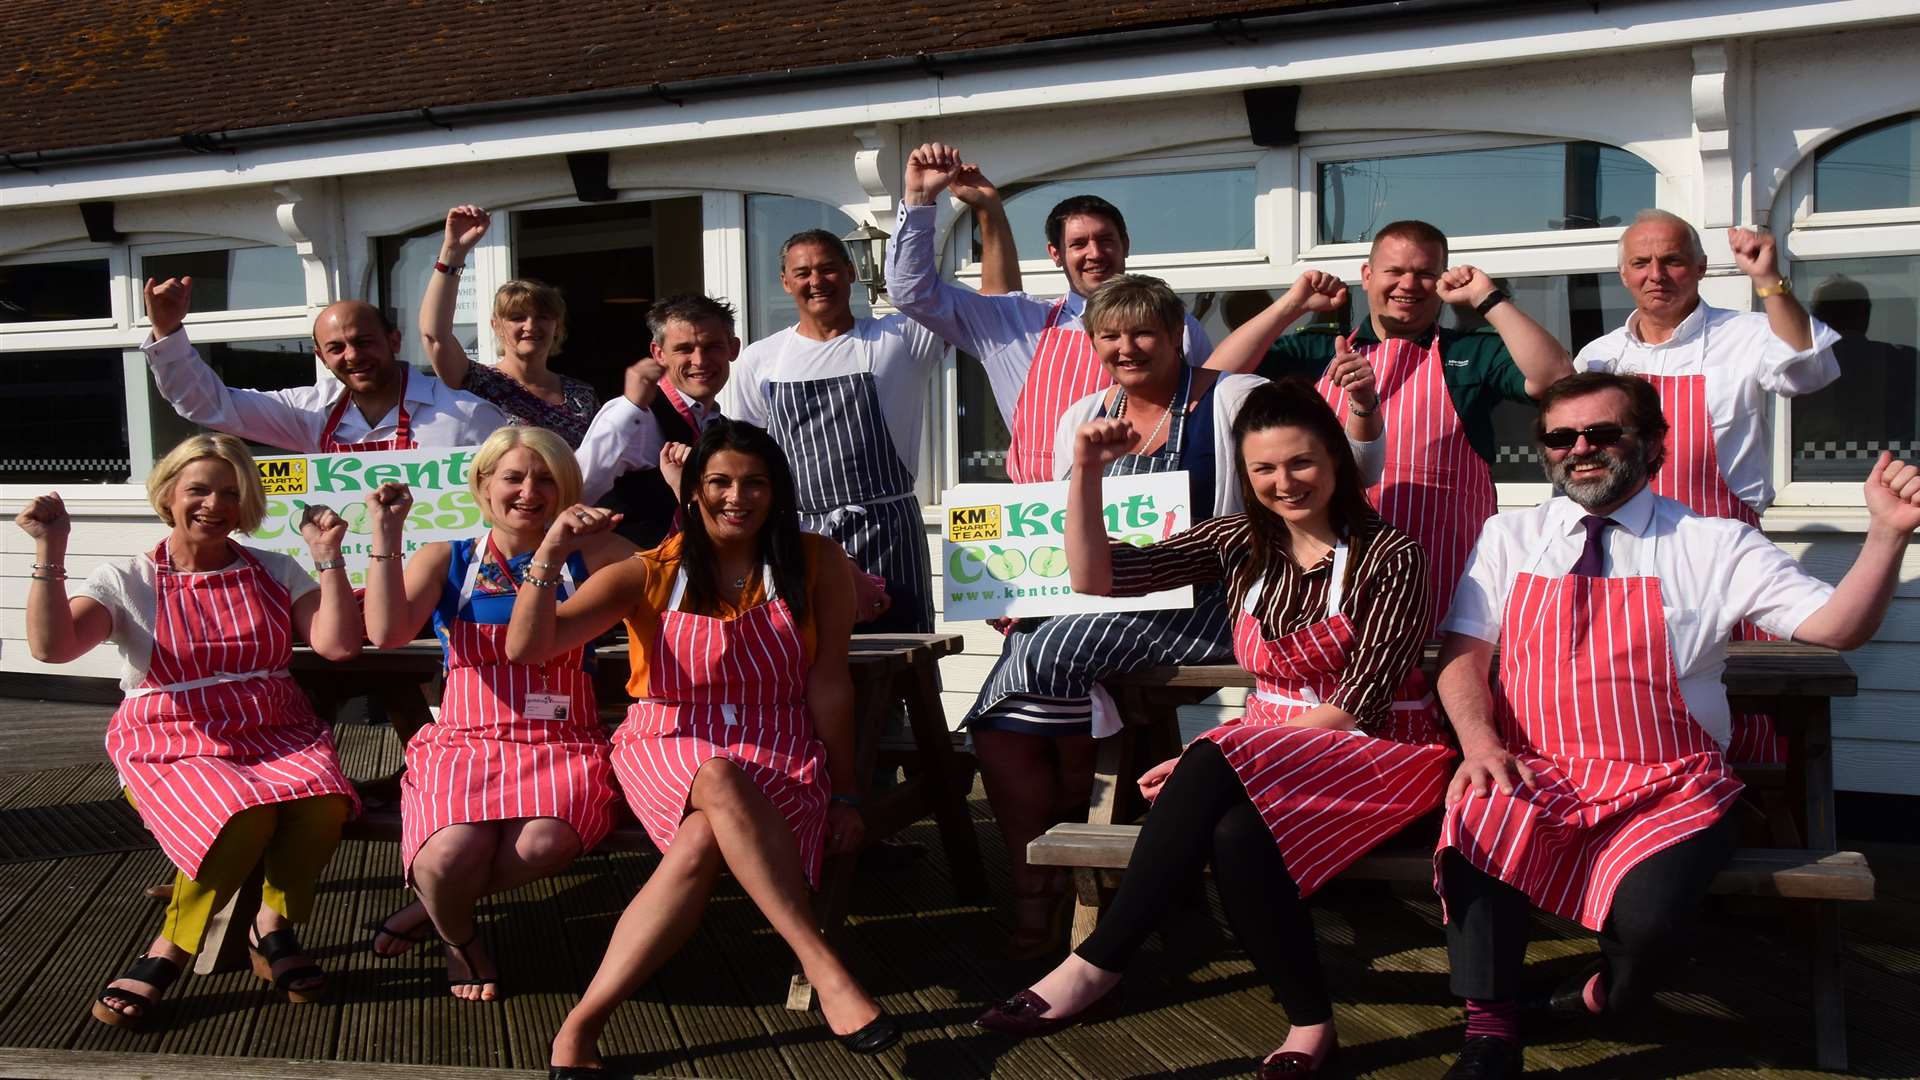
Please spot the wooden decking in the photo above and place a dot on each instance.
(69, 923)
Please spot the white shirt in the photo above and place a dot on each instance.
(623, 438)
(901, 354)
(1743, 362)
(294, 419)
(127, 590)
(1001, 331)
(1229, 393)
(1714, 572)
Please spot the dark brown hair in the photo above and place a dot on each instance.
(1413, 231)
(1643, 405)
(780, 544)
(1293, 402)
(1083, 206)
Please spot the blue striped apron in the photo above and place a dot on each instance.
(1047, 681)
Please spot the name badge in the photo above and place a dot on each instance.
(547, 706)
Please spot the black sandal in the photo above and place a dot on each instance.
(281, 945)
(156, 971)
(422, 933)
(461, 948)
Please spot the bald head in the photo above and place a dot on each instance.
(357, 343)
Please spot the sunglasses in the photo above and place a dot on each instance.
(1596, 435)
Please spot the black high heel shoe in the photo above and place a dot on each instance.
(878, 1034)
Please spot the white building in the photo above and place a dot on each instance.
(286, 168)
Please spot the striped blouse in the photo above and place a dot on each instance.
(1386, 597)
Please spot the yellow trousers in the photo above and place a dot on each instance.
(294, 840)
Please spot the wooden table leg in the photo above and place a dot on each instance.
(1810, 758)
(941, 773)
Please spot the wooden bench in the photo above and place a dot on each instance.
(1794, 682)
(890, 672)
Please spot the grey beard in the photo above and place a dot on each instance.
(1624, 475)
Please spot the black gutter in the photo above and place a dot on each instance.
(1239, 32)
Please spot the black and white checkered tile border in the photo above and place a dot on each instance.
(81, 465)
(1851, 451)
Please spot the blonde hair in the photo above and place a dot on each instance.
(548, 447)
(166, 474)
(1129, 297)
(520, 295)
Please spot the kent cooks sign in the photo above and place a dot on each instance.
(443, 508)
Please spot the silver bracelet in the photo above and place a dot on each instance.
(52, 568)
(330, 564)
(539, 582)
(1355, 410)
(540, 564)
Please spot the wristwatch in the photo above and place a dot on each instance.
(1785, 288)
(1494, 299)
(331, 564)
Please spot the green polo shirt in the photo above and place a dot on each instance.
(1479, 371)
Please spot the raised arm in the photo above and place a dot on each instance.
(968, 320)
(59, 629)
(329, 619)
(1245, 348)
(541, 630)
(465, 226)
(397, 606)
(198, 395)
(1089, 555)
(999, 251)
(623, 436)
(830, 695)
(1539, 355)
(1852, 615)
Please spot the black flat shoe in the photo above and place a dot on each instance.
(1296, 1066)
(1566, 1001)
(1486, 1057)
(880, 1033)
(584, 1072)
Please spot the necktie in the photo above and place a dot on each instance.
(1593, 557)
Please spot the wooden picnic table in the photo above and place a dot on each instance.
(1796, 683)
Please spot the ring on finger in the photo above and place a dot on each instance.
(581, 514)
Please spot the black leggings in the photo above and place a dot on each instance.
(1646, 933)
(1204, 813)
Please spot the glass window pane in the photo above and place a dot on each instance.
(1211, 210)
(67, 418)
(770, 220)
(405, 262)
(1576, 185)
(1874, 305)
(1878, 168)
(50, 291)
(234, 279)
(277, 364)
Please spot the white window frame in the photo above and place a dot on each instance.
(1810, 235)
(136, 280)
(71, 333)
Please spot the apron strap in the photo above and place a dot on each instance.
(1336, 590)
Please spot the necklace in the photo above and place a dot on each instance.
(740, 582)
(1151, 435)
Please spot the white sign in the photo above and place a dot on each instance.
(1005, 552)
(443, 508)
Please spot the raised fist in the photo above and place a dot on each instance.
(1317, 290)
(1097, 442)
(45, 518)
(465, 226)
(930, 168)
(1463, 285)
(167, 304)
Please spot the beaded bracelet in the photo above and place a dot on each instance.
(51, 568)
(383, 558)
(540, 564)
(540, 583)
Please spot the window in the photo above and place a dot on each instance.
(276, 364)
(67, 419)
(1874, 305)
(405, 262)
(1207, 210)
(1513, 189)
(771, 219)
(1876, 168)
(56, 291)
(234, 279)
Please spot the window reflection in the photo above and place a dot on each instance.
(1515, 189)
(52, 291)
(406, 261)
(770, 220)
(1209, 210)
(1871, 170)
(1874, 305)
(67, 419)
(277, 364)
(234, 279)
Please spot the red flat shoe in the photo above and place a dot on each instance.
(1020, 1015)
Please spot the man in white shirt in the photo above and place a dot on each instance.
(669, 397)
(374, 401)
(1593, 782)
(1714, 369)
(1037, 356)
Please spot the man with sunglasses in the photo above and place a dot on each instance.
(1714, 369)
(1593, 780)
(1438, 387)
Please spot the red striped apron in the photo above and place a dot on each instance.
(402, 433)
(1691, 475)
(1327, 796)
(218, 726)
(726, 688)
(484, 760)
(1063, 371)
(1435, 487)
(1588, 697)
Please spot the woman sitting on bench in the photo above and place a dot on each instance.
(738, 750)
(512, 781)
(1331, 609)
(219, 750)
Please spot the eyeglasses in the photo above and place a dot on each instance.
(1596, 435)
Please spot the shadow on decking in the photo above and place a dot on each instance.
(1191, 1009)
